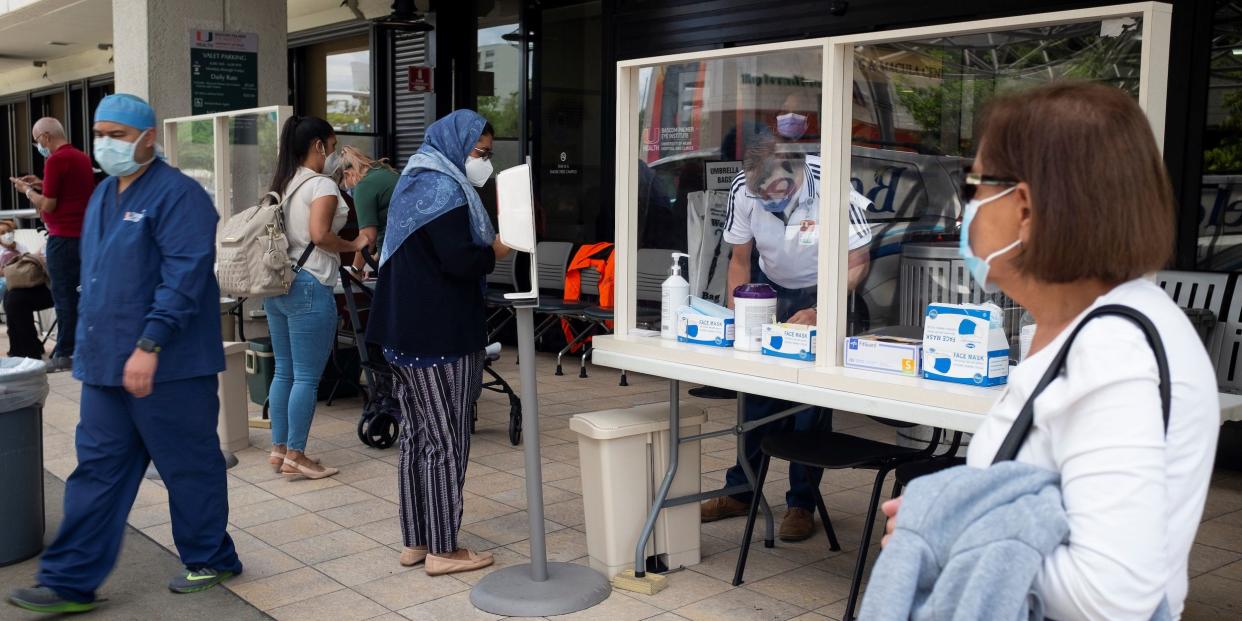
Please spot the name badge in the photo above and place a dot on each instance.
(808, 233)
(134, 216)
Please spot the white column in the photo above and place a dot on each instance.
(152, 46)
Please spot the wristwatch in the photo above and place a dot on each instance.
(149, 346)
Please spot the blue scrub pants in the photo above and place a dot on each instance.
(802, 480)
(117, 436)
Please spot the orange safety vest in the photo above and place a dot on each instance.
(590, 256)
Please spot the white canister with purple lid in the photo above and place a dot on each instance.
(754, 304)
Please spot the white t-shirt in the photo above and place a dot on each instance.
(322, 264)
(789, 247)
(1134, 497)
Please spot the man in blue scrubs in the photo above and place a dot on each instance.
(148, 351)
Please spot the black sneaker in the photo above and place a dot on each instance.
(43, 599)
(195, 580)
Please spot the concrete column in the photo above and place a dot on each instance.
(152, 46)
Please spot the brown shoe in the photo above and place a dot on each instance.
(797, 525)
(440, 565)
(721, 508)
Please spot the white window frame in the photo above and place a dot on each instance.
(223, 187)
(838, 64)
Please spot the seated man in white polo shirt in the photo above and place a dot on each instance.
(774, 208)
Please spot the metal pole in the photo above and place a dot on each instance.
(546, 589)
(674, 445)
(530, 427)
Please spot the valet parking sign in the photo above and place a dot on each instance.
(224, 71)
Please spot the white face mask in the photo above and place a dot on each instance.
(7, 239)
(478, 171)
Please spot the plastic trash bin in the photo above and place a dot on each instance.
(233, 426)
(260, 368)
(623, 456)
(23, 391)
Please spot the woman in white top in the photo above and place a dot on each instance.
(1072, 207)
(303, 322)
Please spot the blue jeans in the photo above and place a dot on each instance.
(802, 480)
(64, 266)
(303, 326)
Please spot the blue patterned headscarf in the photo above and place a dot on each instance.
(434, 183)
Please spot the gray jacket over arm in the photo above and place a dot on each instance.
(969, 544)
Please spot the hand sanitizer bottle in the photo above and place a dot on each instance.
(674, 293)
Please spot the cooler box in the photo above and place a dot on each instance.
(260, 368)
(624, 455)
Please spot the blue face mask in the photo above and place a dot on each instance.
(116, 157)
(44, 151)
(979, 267)
(777, 206)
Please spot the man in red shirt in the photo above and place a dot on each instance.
(60, 198)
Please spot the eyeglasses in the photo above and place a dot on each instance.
(485, 154)
(973, 180)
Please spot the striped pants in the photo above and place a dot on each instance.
(437, 405)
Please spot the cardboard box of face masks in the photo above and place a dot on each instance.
(788, 340)
(965, 344)
(700, 329)
(884, 354)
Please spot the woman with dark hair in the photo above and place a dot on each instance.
(428, 315)
(303, 321)
(1069, 209)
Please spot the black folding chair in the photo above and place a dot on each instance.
(833, 451)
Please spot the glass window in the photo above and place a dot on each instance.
(196, 156)
(348, 76)
(915, 108)
(253, 140)
(729, 172)
(1220, 208)
(336, 77)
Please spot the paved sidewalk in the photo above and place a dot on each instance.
(136, 590)
(328, 549)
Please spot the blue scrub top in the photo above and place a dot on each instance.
(148, 257)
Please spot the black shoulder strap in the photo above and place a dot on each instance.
(1022, 424)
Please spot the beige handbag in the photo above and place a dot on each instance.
(25, 272)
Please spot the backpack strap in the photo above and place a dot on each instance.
(310, 248)
(1022, 424)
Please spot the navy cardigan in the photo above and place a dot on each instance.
(429, 298)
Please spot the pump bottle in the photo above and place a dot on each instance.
(674, 293)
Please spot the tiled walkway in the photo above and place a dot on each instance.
(328, 549)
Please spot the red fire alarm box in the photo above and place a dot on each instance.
(420, 79)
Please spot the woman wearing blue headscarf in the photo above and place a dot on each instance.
(428, 315)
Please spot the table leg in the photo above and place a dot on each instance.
(657, 503)
(769, 537)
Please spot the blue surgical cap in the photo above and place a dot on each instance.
(126, 109)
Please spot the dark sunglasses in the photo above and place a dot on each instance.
(973, 180)
(485, 154)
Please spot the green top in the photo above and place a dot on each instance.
(371, 197)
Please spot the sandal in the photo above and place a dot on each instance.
(413, 556)
(278, 459)
(293, 470)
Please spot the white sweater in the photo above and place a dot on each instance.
(1134, 498)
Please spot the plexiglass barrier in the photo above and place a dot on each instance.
(831, 168)
(231, 154)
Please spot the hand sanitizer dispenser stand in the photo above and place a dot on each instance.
(540, 588)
